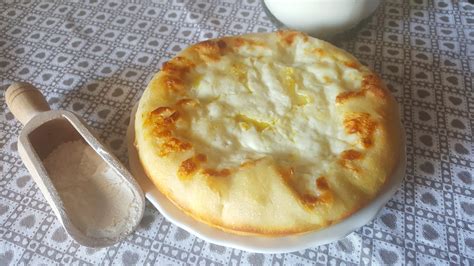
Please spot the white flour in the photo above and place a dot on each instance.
(95, 198)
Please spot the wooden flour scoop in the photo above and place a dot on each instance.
(44, 130)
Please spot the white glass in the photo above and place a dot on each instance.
(321, 18)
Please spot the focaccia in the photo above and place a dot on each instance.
(267, 134)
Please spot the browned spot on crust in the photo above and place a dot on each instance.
(319, 52)
(289, 37)
(311, 201)
(172, 118)
(210, 50)
(351, 155)
(174, 73)
(216, 173)
(321, 183)
(308, 200)
(216, 179)
(325, 195)
(342, 97)
(190, 166)
(352, 64)
(208, 46)
(287, 174)
(162, 133)
(221, 44)
(173, 83)
(161, 110)
(348, 158)
(163, 120)
(201, 157)
(370, 84)
(173, 144)
(362, 125)
(178, 66)
(238, 42)
(187, 168)
(186, 102)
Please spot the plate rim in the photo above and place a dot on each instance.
(261, 244)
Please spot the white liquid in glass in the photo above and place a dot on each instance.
(321, 17)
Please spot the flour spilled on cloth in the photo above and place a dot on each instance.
(95, 197)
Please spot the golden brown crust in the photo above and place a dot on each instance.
(362, 125)
(371, 84)
(190, 166)
(266, 195)
(288, 37)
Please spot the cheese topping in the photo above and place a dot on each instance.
(267, 133)
(280, 107)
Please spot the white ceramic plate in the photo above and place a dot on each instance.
(255, 243)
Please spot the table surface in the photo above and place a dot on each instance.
(95, 58)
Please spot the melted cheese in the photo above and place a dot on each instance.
(271, 108)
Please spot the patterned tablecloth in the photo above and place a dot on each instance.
(95, 58)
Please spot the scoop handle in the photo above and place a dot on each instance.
(25, 101)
